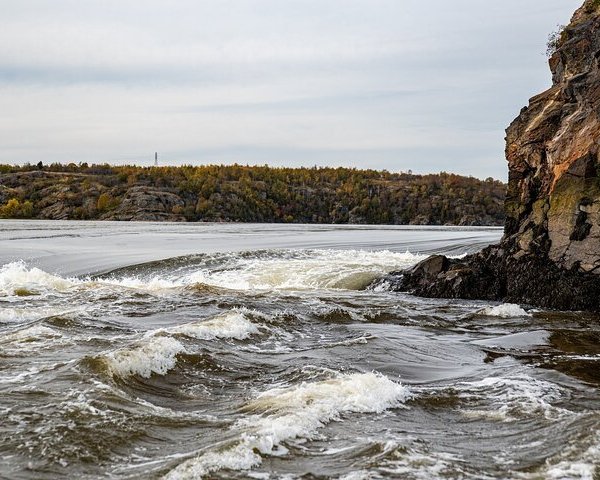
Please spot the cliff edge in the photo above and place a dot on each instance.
(550, 253)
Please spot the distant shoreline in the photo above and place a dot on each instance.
(244, 194)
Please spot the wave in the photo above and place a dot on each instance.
(16, 279)
(265, 270)
(511, 398)
(30, 313)
(306, 270)
(154, 355)
(212, 274)
(283, 414)
(232, 324)
(158, 351)
(29, 339)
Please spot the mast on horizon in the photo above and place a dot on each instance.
(156, 159)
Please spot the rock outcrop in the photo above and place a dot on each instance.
(550, 253)
(148, 204)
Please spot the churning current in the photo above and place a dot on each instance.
(186, 351)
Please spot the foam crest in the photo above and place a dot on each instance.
(506, 310)
(314, 269)
(17, 279)
(29, 339)
(295, 412)
(157, 351)
(153, 355)
(576, 460)
(513, 397)
(151, 284)
(232, 324)
(30, 334)
(29, 313)
(583, 466)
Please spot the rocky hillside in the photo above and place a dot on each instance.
(248, 194)
(550, 253)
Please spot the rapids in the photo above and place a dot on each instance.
(258, 351)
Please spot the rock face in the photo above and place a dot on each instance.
(552, 150)
(550, 253)
(142, 203)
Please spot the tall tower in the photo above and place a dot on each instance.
(156, 159)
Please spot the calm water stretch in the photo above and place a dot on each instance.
(186, 351)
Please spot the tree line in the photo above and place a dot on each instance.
(241, 193)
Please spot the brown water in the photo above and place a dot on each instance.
(253, 351)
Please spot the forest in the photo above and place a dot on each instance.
(241, 193)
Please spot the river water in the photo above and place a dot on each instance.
(180, 351)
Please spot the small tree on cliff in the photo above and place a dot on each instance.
(555, 40)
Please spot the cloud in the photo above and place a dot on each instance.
(376, 83)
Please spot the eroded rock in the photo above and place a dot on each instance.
(550, 253)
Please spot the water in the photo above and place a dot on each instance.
(256, 351)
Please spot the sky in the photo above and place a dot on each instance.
(401, 85)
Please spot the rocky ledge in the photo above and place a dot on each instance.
(549, 255)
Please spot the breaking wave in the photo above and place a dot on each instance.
(17, 279)
(155, 355)
(296, 412)
(233, 324)
(275, 270)
(313, 269)
(157, 352)
(513, 397)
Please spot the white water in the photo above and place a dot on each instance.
(294, 412)
(511, 398)
(295, 270)
(228, 325)
(17, 279)
(153, 355)
(329, 269)
(251, 355)
(505, 310)
(157, 352)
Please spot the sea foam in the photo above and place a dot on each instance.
(283, 414)
(512, 398)
(305, 270)
(232, 324)
(153, 355)
(583, 466)
(505, 310)
(157, 351)
(27, 340)
(17, 279)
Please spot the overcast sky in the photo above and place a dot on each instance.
(395, 84)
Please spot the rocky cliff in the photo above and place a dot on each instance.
(550, 253)
(553, 201)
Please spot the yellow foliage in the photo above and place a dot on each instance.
(15, 209)
(107, 202)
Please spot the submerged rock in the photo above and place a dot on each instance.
(550, 253)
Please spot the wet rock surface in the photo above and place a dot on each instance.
(550, 253)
